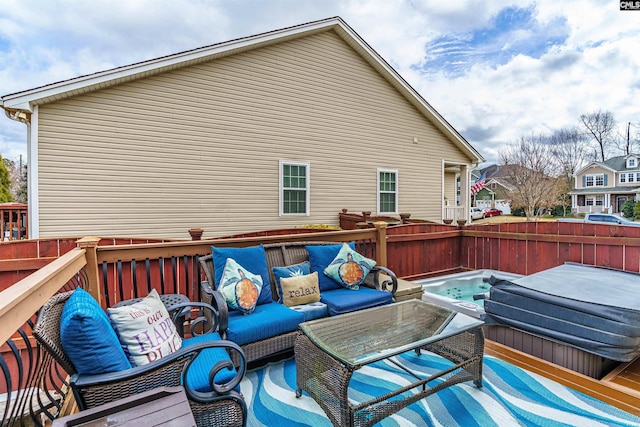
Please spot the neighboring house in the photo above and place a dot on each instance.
(276, 130)
(496, 193)
(605, 186)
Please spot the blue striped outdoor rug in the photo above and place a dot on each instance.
(510, 397)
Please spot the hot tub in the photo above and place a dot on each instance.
(456, 291)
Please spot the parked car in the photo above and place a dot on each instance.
(602, 218)
(476, 213)
(492, 212)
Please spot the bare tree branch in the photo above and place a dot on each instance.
(600, 126)
(531, 167)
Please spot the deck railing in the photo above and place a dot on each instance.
(113, 273)
(34, 386)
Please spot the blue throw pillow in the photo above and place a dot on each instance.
(295, 270)
(240, 287)
(252, 258)
(320, 256)
(349, 268)
(87, 337)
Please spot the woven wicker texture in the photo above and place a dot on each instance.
(320, 373)
(214, 409)
(278, 255)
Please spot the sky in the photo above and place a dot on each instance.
(496, 70)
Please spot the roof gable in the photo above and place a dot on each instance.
(25, 101)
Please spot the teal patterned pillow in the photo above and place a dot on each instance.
(296, 270)
(349, 268)
(240, 287)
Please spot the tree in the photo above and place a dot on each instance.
(599, 126)
(530, 167)
(5, 183)
(20, 193)
(569, 150)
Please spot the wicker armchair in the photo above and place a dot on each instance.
(222, 406)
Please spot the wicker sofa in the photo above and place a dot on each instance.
(222, 405)
(273, 328)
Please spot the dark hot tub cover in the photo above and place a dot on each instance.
(591, 308)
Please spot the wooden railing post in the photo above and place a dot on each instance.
(381, 243)
(90, 244)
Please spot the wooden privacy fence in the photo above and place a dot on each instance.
(529, 247)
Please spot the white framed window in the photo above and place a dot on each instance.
(294, 188)
(594, 200)
(632, 162)
(387, 191)
(623, 178)
(630, 177)
(638, 177)
(594, 180)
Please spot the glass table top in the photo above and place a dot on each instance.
(366, 336)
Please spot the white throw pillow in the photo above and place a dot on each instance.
(145, 330)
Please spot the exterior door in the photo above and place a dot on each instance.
(620, 202)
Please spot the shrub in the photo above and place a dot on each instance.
(628, 208)
(636, 211)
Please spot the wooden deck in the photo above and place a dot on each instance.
(620, 388)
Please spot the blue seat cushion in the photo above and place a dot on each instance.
(343, 300)
(312, 311)
(320, 256)
(252, 258)
(267, 320)
(87, 337)
(198, 374)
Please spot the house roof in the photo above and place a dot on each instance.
(614, 164)
(25, 101)
(620, 163)
(603, 190)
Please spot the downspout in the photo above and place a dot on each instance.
(24, 116)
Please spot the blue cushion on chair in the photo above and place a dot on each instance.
(267, 320)
(343, 300)
(198, 374)
(252, 258)
(320, 256)
(88, 338)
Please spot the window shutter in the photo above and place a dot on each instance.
(584, 180)
(605, 179)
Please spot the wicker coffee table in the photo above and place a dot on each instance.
(329, 350)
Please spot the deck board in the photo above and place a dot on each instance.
(609, 390)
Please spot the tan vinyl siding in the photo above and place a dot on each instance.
(597, 170)
(200, 146)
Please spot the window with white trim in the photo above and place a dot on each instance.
(387, 191)
(594, 180)
(632, 162)
(630, 177)
(594, 200)
(294, 188)
(623, 178)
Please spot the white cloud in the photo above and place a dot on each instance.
(591, 64)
